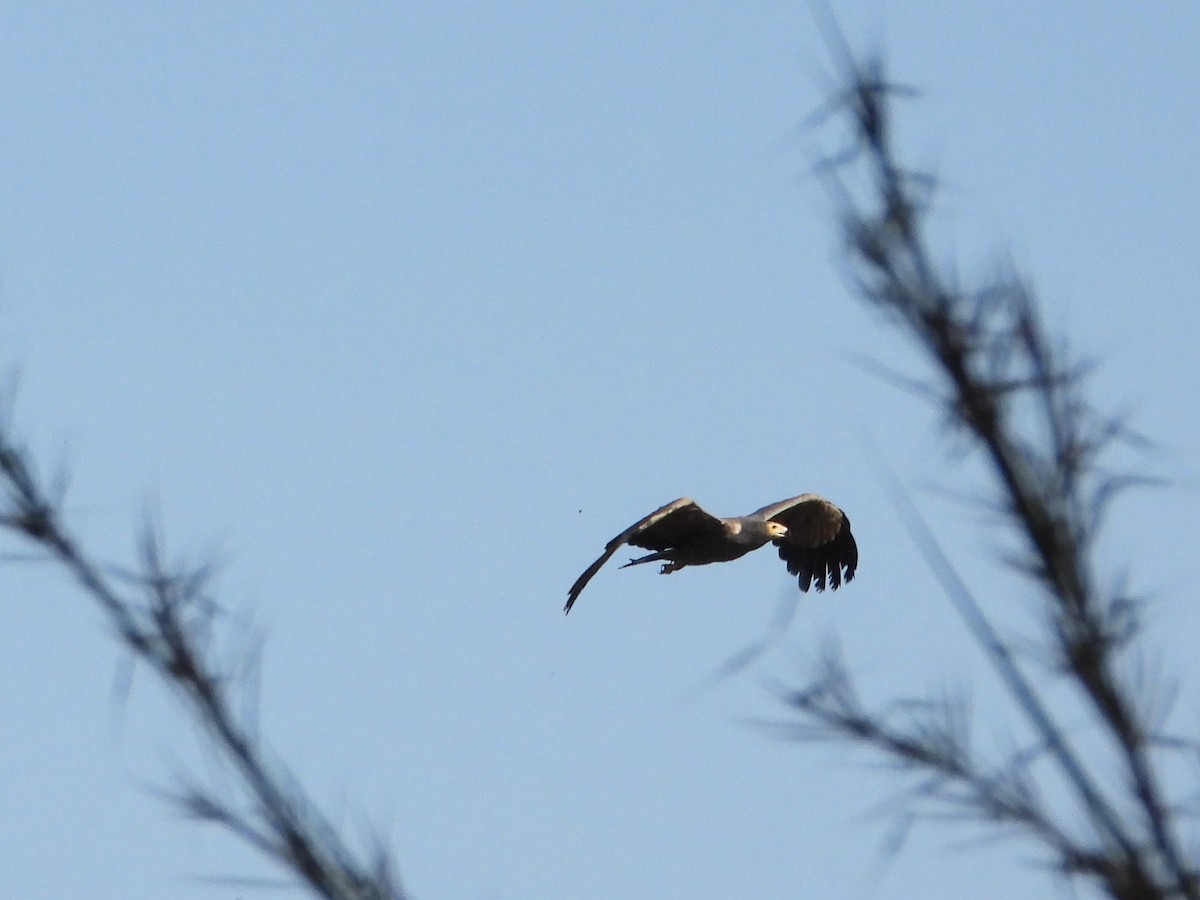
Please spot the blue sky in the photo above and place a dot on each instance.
(403, 310)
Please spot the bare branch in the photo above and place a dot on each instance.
(162, 614)
(1018, 399)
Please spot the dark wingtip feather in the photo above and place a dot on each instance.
(832, 564)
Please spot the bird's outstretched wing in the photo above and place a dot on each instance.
(819, 547)
(663, 529)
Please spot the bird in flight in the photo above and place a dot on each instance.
(812, 535)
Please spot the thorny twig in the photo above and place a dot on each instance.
(165, 621)
(1001, 382)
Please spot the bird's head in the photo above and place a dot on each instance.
(776, 531)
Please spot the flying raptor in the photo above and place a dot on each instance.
(812, 535)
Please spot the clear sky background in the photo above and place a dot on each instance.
(403, 309)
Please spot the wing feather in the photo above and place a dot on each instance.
(819, 547)
(661, 530)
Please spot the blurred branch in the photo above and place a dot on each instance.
(1018, 399)
(165, 619)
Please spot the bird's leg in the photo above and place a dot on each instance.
(668, 568)
(650, 557)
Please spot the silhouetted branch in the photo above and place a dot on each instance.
(164, 617)
(1019, 400)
